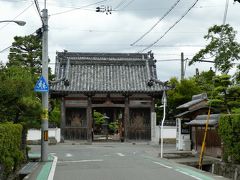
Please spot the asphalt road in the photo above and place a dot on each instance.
(118, 161)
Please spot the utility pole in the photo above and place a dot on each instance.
(44, 123)
(182, 66)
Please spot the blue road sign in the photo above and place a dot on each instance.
(41, 85)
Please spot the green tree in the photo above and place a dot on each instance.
(99, 118)
(55, 113)
(223, 48)
(182, 93)
(18, 102)
(26, 52)
(17, 99)
(223, 94)
(205, 81)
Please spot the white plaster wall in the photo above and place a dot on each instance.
(169, 132)
(35, 134)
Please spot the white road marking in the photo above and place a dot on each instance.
(82, 161)
(52, 171)
(188, 174)
(120, 154)
(169, 167)
(68, 155)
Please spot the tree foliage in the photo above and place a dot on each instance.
(183, 92)
(99, 118)
(205, 81)
(10, 147)
(223, 48)
(229, 130)
(26, 52)
(225, 94)
(55, 114)
(18, 103)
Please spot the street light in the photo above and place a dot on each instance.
(20, 23)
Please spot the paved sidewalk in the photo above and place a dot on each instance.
(42, 171)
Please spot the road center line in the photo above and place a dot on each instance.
(82, 161)
(120, 154)
(52, 171)
(162, 164)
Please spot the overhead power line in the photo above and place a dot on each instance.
(173, 45)
(8, 47)
(38, 10)
(120, 4)
(174, 5)
(74, 9)
(130, 2)
(149, 46)
(17, 15)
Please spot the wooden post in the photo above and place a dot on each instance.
(89, 120)
(63, 118)
(126, 118)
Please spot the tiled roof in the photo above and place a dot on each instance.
(195, 100)
(105, 72)
(201, 120)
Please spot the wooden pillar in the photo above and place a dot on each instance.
(126, 117)
(89, 119)
(63, 117)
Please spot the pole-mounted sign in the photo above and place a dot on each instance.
(41, 85)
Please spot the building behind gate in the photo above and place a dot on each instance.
(113, 84)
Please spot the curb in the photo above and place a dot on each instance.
(45, 170)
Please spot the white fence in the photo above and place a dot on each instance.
(35, 134)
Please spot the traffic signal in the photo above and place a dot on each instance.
(98, 9)
(237, 1)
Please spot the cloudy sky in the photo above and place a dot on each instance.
(74, 25)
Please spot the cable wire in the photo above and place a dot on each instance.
(17, 16)
(8, 47)
(38, 10)
(174, 5)
(120, 4)
(77, 8)
(130, 2)
(149, 46)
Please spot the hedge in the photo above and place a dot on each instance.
(11, 155)
(229, 130)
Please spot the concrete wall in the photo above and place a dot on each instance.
(169, 132)
(35, 134)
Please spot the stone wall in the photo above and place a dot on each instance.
(227, 170)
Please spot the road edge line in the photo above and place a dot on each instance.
(52, 171)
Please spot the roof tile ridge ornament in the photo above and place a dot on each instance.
(151, 79)
(65, 78)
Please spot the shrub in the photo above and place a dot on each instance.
(229, 130)
(11, 155)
